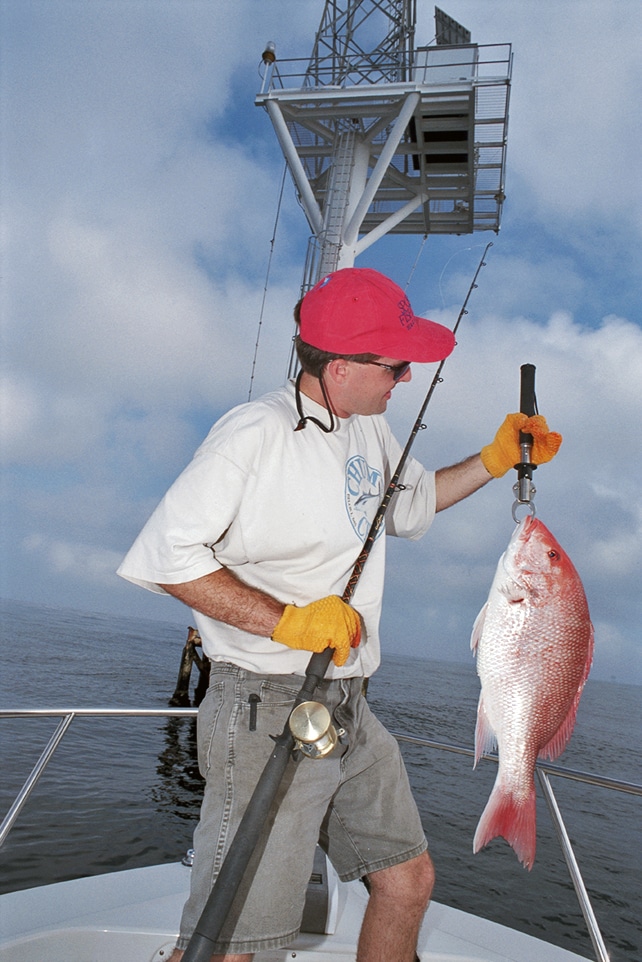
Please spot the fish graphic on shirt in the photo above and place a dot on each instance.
(363, 493)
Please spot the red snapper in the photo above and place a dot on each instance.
(534, 644)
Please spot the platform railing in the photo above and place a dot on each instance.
(477, 63)
(544, 771)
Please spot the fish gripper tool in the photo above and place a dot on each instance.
(524, 489)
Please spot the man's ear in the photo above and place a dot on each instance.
(337, 370)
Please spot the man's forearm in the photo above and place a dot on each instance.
(221, 596)
(456, 482)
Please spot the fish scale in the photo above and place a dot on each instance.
(534, 645)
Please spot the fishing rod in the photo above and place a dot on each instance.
(418, 426)
(231, 874)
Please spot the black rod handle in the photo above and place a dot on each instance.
(527, 403)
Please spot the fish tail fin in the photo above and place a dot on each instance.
(511, 818)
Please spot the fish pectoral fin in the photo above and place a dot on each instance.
(513, 592)
(478, 627)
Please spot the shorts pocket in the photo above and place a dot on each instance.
(209, 713)
(266, 707)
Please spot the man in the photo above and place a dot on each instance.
(259, 536)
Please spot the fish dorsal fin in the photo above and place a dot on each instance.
(559, 741)
(554, 748)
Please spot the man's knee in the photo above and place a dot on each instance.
(411, 881)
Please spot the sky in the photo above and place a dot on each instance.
(143, 259)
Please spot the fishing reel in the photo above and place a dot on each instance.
(314, 734)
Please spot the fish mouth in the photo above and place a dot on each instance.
(524, 530)
(520, 537)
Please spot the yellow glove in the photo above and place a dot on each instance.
(327, 623)
(505, 453)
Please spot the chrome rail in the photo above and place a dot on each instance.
(67, 716)
(630, 788)
(543, 772)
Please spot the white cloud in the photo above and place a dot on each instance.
(18, 411)
(576, 74)
(586, 382)
(80, 562)
(140, 187)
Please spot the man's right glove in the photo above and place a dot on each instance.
(504, 452)
(327, 623)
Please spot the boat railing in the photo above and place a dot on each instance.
(544, 771)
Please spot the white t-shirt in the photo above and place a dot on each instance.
(287, 512)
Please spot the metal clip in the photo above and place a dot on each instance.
(524, 489)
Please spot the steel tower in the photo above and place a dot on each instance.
(384, 137)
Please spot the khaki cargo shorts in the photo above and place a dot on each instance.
(356, 802)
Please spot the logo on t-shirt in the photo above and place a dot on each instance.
(363, 494)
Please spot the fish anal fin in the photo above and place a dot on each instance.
(478, 627)
(511, 818)
(485, 740)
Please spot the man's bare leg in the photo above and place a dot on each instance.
(398, 901)
(177, 955)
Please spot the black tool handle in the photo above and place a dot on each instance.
(527, 402)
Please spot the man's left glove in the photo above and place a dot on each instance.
(505, 453)
(327, 623)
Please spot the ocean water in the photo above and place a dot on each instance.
(122, 794)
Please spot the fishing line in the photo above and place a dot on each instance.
(265, 286)
(414, 266)
(443, 270)
(394, 481)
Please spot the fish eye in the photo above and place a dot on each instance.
(554, 555)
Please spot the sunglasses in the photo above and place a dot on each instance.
(397, 370)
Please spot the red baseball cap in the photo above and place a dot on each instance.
(357, 310)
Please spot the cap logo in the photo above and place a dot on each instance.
(406, 316)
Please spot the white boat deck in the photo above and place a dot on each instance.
(133, 915)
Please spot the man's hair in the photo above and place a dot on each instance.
(313, 359)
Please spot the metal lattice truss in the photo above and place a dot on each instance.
(381, 138)
(345, 47)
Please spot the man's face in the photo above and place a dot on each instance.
(367, 388)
